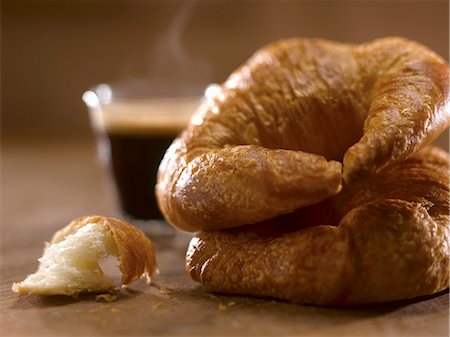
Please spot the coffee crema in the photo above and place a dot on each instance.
(148, 116)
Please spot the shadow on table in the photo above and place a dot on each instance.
(190, 311)
(36, 301)
(243, 303)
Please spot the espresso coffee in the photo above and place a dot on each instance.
(134, 162)
(134, 136)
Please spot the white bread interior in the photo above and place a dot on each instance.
(71, 266)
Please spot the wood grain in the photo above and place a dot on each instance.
(46, 184)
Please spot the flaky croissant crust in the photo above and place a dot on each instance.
(309, 176)
(70, 263)
(294, 122)
(382, 239)
(135, 250)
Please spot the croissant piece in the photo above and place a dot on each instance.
(70, 264)
(296, 121)
(381, 239)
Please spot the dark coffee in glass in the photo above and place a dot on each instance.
(133, 135)
(134, 161)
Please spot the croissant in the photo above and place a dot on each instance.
(70, 263)
(382, 239)
(297, 120)
(310, 177)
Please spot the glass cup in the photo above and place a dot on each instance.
(135, 122)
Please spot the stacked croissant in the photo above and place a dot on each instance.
(309, 177)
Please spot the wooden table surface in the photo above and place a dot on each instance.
(45, 184)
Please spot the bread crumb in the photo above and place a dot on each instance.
(235, 324)
(165, 291)
(157, 305)
(230, 304)
(222, 307)
(106, 297)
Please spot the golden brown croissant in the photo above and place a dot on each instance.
(70, 264)
(309, 176)
(273, 139)
(390, 243)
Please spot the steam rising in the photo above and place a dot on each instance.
(169, 58)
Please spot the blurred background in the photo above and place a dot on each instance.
(52, 51)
